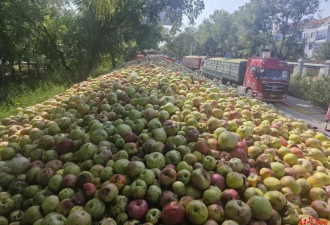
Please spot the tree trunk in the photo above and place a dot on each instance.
(113, 60)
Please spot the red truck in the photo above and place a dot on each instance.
(327, 119)
(266, 78)
(194, 62)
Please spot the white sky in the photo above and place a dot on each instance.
(233, 5)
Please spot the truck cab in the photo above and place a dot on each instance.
(267, 79)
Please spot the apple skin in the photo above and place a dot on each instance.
(153, 194)
(240, 153)
(119, 180)
(276, 199)
(200, 179)
(322, 208)
(275, 219)
(211, 196)
(218, 180)
(216, 212)
(65, 206)
(211, 222)
(167, 197)
(261, 207)
(238, 211)
(167, 176)
(49, 204)
(108, 192)
(173, 214)
(148, 176)
(234, 180)
(79, 217)
(317, 193)
(137, 209)
(64, 146)
(153, 216)
(184, 176)
(138, 188)
(179, 188)
(229, 194)
(90, 189)
(185, 200)
(196, 212)
(242, 145)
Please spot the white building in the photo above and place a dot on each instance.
(315, 33)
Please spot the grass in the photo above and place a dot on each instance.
(314, 89)
(31, 92)
(23, 96)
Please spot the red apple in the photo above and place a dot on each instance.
(229, 194)
(171, 166)
(234, 115)
(242, 145)
(64, 146)
(218, 180)
(69, 181)
(327, 190)
(137, 209)
(90, 189)
(173, 214)
(322, 208)
(37, 163)
(239, 153)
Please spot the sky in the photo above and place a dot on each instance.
(233, 5)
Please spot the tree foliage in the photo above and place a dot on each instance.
(284, 18)
(178, 42)
(276, 24)
(323, 52)
(74, 37)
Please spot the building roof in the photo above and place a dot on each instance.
(316, 23)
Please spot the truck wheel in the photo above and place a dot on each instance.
(249, 93)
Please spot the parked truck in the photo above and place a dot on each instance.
(152, 53)
(266, 78)
(194, 62)
(327, 119)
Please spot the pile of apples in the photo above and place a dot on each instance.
(154, 143)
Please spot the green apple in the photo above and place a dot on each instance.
(196, 212)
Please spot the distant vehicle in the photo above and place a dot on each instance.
(194, 62)
(153, 53)
(266, 78)
(327, 119)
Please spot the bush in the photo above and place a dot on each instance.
(22, 95)
(312, 89)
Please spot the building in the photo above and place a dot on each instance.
(315, 33)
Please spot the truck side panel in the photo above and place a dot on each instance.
(225, 69)
(193, 62)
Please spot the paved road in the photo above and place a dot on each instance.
(306, 111)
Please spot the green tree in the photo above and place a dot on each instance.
(281, 21)
(74, 38)
(323, 52)
(245, 34)
(178, 43)
(213, 34)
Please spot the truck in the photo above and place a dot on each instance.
(152, 53)
(194, 62)
(264, 78)
(327, 119)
